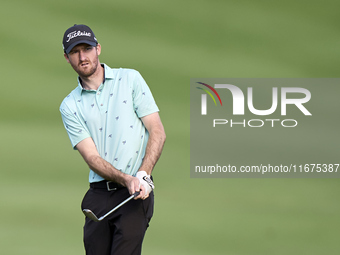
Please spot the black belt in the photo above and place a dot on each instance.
(108, 185)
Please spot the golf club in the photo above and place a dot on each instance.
(88, 213)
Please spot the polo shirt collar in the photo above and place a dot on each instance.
(108, 72)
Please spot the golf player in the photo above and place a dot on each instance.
(112, 119)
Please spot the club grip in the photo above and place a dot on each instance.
(136, 193)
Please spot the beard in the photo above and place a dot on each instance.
(87, 70)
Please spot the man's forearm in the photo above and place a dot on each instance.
(153, 150)
(104, 169)
(110, 173)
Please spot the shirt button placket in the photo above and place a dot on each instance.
(101, 105)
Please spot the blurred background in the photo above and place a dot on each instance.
(43, 180)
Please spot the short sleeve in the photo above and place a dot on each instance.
(74, 127)
(143, 101)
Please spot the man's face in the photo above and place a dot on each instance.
(84, 59)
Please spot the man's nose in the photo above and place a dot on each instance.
(82, 55)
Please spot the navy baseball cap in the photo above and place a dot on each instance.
(78, 34)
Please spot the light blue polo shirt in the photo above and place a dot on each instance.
(111, 116)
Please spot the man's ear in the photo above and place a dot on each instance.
(66, 57)
(99, 49)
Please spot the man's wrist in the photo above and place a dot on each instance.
(146, 172)
(125, 179)
(142, 172)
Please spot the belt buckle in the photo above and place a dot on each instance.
(108, 186)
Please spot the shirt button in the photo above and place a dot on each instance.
(101, 104)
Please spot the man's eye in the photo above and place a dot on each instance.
(89, 48)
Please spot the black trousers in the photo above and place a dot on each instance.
(120, 233)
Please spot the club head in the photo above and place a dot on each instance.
(88, 213)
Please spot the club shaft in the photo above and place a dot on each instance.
(122, 203)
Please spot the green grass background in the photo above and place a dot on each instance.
(43, 180)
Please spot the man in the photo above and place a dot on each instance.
(112, 120)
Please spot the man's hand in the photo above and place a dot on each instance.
(133, 185)
(145, 182)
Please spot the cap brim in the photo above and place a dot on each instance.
(69, 48)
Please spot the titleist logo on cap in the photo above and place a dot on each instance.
(76, 34)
